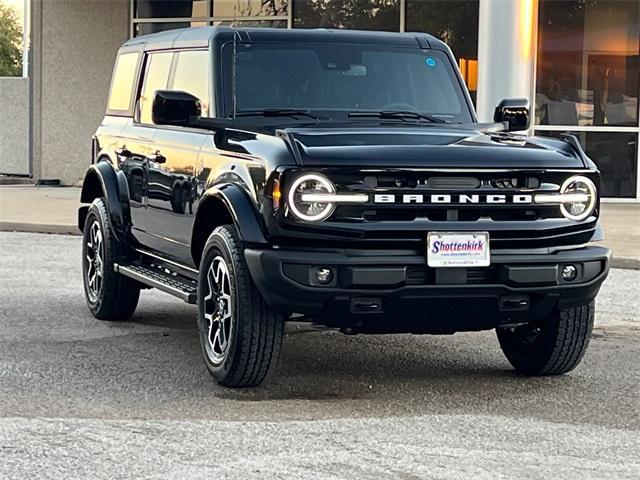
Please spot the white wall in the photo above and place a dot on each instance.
(75, 47)
(14, 125)
(506, 52)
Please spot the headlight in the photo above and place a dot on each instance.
(580, 194)
(306, 185)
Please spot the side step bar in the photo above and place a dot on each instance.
(178, 286)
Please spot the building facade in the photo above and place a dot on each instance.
(578, 61)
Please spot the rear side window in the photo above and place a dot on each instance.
(156, 78)
(123, 82)
(192, 76)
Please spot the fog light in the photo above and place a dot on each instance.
(324, 275)
(569, 273)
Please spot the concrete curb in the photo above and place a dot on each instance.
(39, 228)
(16, 181)
(626, 263)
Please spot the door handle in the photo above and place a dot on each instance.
(123, 152)
(157, 157)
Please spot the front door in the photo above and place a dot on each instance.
(169, 213)
(171, 160)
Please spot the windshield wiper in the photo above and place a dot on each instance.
(397, 114)
(279, 112)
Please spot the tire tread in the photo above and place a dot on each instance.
(121, 294)
(260, 328)
(566, 337)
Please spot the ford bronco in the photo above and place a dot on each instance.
(339, 178)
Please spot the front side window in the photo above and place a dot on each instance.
(342, 79)
(122, 84)
(192, 76)
(156, 78)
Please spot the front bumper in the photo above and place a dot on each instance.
(394, 291)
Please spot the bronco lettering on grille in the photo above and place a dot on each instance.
(456, 199)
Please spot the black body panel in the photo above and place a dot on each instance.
(436, 146)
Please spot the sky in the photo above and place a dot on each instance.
(18, 6)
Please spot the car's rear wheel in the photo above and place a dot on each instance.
(240, 334)
(109, 295)
(551, 346)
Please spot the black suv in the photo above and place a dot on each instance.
(339, 178)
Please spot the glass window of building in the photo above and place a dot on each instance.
(152, 16)
(252, 23)
(588, 58)
(354, 14)
(615, 154)
(454, 22)
(192, 76)
(171, 8)
(588, 82)
(122, 84)
(250, 8)
(145, 28)
(156, 78)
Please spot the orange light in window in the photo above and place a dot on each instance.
(469, 71)
(526, 27)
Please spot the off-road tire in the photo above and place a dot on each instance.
(257, 329)
(118, 296)
(556, 348)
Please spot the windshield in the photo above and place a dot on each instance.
(339, 80)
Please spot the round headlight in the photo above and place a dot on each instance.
(584, 191)
(311, 183)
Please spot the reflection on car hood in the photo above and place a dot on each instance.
(428, 147)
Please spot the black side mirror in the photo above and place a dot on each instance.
(174, 108)
(514, 112)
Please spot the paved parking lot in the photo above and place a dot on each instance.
(87, 399)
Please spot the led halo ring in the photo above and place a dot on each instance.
(593, 196)
(328, 210)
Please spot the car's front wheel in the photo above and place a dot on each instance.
(240, 334)
(551, 346)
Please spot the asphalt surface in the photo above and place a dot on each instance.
(80, 398)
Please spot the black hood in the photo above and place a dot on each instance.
(429, 147)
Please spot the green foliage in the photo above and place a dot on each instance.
(453, 21)
(354, 14)
(10, 43)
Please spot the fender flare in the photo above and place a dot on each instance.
(102, 179)
(240, 209)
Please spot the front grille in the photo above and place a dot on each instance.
(511, 225)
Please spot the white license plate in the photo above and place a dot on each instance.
(454, 249)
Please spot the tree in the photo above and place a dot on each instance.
(10, 43)
(354, 14)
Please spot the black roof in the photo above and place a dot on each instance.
(203, 36)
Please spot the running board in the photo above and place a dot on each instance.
(178, 286)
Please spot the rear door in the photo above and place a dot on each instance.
(132, 144)
(135, 161)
